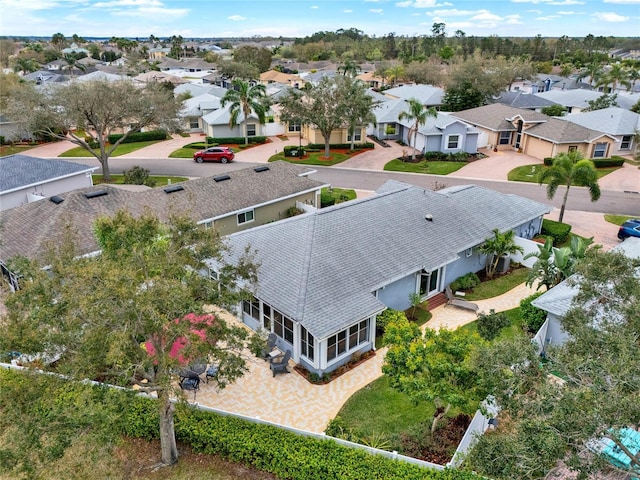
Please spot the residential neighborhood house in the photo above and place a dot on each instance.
(326, 274)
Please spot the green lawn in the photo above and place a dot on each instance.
(13, 149)
(617, 219)
(314, 158)
(340, 194)
(161, 181)
(187, 152)
(379, 409)
(516, 328)
(433, 168)
(530, 173)
(498, 285)
(121, 149)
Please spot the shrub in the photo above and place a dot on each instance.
(139, 136)
(490, 324)
(293, 211)
(614, 161)
(327, 199)
(1, 139)
(533, 317)
(548, 161)
(558, 231)
(137, 175)
(293, 151)
(235, 140)
(465, 282)
(388, 316)
(341, 146)
(434, 155)
(200, 145)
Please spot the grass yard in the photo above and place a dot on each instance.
(617, 219)
(188, 151)
(530, 173)
(379, 409)
(430, 167)
(161, 181)
(6, 150)
(516, 328)
(340, 194)
(317, 158)
(498, 285)
(121, 149)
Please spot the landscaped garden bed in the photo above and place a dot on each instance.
(356, 360)
(316, 157)
(531, 173)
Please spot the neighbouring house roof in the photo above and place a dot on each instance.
(100, 75)
(323, 268)
(196, 90)
(613, 120)
(499, 117)
(387, 111)
(196, 106)
(578, 98)
(436, 125)
(21, 171)
(42, 76)
(560, 131)
(559, 300)
(26, 229)
(279, 77)
(426, 94)
(222, 116)
(627, 100)
(370, 76)
(520, 99)
(154, 76)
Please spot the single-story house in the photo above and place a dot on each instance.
(618, 122)
(216, 124)
(193, 109)
(533, 133)
(558, 301)
(25, 179)
(326, 274)
(371, 79)
(274, 76)
(156, 77)
(227, 202)
(543, 82)
(427, 95)
(573, 100)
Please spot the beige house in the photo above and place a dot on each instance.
(274, 76)
(505, 128)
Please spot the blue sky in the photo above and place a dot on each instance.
(232, 18)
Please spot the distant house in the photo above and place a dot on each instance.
(156, 77)
(325, 275)
(9, 129)
(73, 48)
(193, 109)
(274, 76)
(544, 82)
(573, 100)
(227, 202)
(503, 127)
(519, 99)
(25, 179)
(427, 95)
(371, 79)
(216, 124)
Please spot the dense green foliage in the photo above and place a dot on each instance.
(533, 317)
(465, 282)
(341, 146)
(212, 141)
(45, 415)
(490, 324)
(556, 230)
(138, 175)
(138, 136)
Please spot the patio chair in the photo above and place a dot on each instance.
(271, 344)
(212, 372)
(458, 302)
(280, 364)
(192, 382)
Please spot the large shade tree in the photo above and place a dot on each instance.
(358, 107)
(244, 98)
(570, 169)
(418, 114)
(86, 113)
(117, 316)
(545, 419)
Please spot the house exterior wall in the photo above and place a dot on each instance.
(555, 334)
(9, 131)
(454, 129)
(396, 294)
(263, 214)
(45, 189)
(538, 148)
(224, 130)
(473, 263)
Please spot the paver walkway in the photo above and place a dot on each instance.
(289, 399)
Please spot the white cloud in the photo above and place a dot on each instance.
(236, 18)
(486, 16)
(423, 4)
(454, 12)
(314, 7)
(33, 5)
(545, 19)
(377, 11)
(408, 3)
(565, 12)
(550, 2)
(347, 11)
(539, 12)
(128, 3)
(567, 2)
(166, 14)
(513, 19)
(610, 17)
(623, 2)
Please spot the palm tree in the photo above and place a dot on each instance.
(498, 246)
(419, 113)
(593, 71)
(25, 65)
(245, 98)
(617, 74)
(395, 73)
(349, 68)
(570, 169)
(73, 63)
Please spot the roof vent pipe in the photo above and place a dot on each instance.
(428, 217)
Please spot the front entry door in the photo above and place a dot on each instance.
(429, 282)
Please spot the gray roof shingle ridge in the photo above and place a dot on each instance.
(304, 281)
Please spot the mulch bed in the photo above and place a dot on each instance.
(337, 372)
(440, 447)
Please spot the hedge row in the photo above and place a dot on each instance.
(614, 161)
(236, 140)
(341, 146)
(281, 452)
(138, 136)
(558, 231)
(293, 151)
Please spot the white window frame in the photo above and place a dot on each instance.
(626, 144)
(307, 344)
(295, 127)
(362, 333)
(254, 127)
(194, 123)
(504, 140)
(604, 152)
(458, 139)
(242, 217)
(357, 135)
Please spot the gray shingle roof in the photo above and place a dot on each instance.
(426, 94)
(25, 229)
(322, 268)
(496, 116)
(17, 171)
(522, 100)
(613, 120)
(560, 131)
(571, 98)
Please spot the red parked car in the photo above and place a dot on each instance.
(214, 154)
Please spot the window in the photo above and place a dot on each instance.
(251, 129)
(428, 282)
(245, 217)
(252, 308)
(453, 141)
(295, 127)
(208, 224)
(626, 142)
(505, 138)
(283, 326)
(307, 344)
(600, 150)
(266, 317)
(341, 342)
(357, 136)
(573, 148)
(193, 123)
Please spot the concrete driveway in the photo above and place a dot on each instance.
(495, 166)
